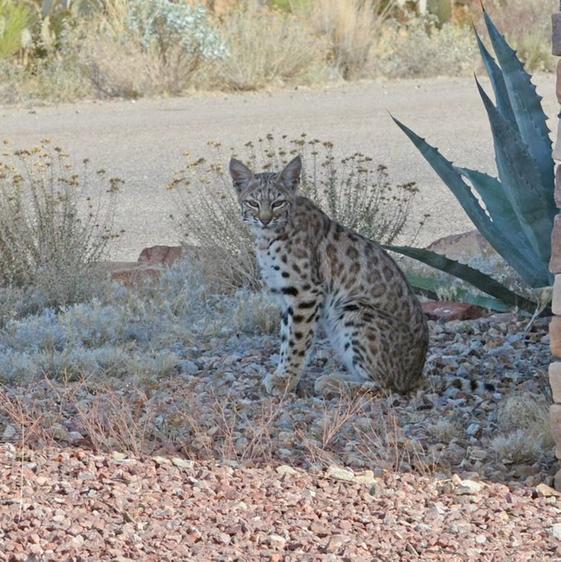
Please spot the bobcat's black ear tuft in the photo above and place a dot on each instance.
(290, 176)
(241, 174)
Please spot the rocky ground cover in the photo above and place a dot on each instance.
(72, 504)
(483, 408)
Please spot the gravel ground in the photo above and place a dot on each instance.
(459, 471)
(74, 505)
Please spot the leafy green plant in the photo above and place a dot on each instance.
(14, 20)
(515, 211)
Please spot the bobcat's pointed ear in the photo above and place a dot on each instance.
(241, 174)
(290, 176)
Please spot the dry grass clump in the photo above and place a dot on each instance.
(133, 48)
(265, 48)
(445, 429)
(352, 190)
(352, 29)
(55, 224)
(523, 420)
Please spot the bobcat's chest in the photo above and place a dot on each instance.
(272, 268)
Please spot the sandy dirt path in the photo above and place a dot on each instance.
(143, 142)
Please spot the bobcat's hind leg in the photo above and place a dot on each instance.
(374, 346)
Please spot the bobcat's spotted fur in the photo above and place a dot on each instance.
(323, 272)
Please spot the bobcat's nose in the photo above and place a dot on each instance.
(265, 220)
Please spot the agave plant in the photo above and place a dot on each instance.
(515, 211)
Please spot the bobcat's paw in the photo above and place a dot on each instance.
(278, 384)
(339, 384)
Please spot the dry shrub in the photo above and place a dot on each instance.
(419, 48)
(125, 69)
(54, 226)
(352, 29)
(525, 432)
(218, 428)
(30, 420)
(352, 190)
(115, 421)
(527, 25)
(266, 48)
(132, 49)
(355, 431)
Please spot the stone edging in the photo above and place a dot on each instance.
(555, 266)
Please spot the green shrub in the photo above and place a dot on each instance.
(15, 18)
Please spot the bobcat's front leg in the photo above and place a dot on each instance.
(298, 328)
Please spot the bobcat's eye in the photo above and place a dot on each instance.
(279, 204)
(252, 204)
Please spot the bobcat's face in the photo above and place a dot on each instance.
(266, 199)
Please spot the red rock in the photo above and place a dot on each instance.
(135, 276)
(160, 255)
(448, 310)
(463, 247)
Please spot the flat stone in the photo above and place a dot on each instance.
(182, 463)
(160, 460)
(556, 531)
(285, 470)
(448, 311)
(339, 473)
(546, 491)
(555, 380)
(10, 432)
(466, 487)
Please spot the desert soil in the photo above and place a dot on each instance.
(143, 141)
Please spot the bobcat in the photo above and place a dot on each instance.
(323, 272)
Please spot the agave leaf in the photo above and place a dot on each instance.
(492, 193)
(478, 279)
(433, 286)
(527, 106)
(452, 178)
(519, 174)
(498, 82)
